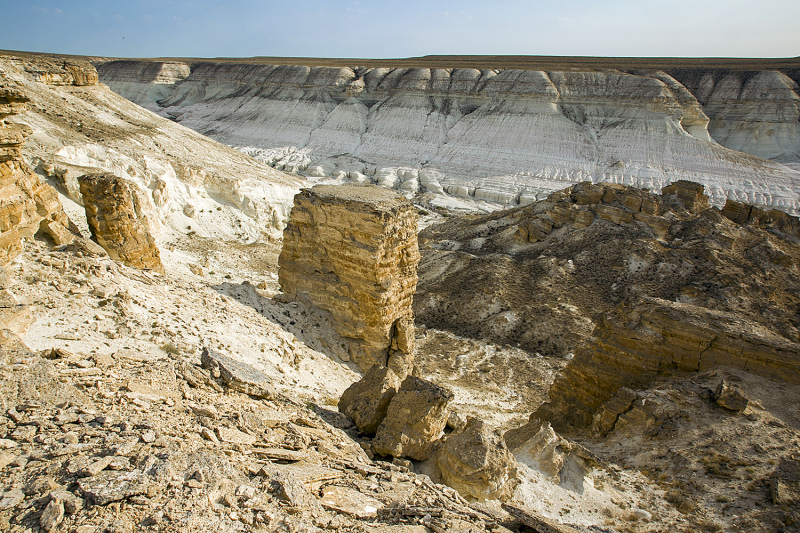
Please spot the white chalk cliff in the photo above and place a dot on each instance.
(497, 136)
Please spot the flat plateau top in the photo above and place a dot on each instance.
(368, 194)
(517, 62)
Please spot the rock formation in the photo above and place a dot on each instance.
(626, 285)
(476, 462)
(27, 205)
(634, 344)
(414, 420)
(352, 251)
(496, 135)
(116, 223)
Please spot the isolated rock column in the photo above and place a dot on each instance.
(352, 251)
(110, 204)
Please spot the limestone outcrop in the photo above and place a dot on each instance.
(476, 462)
(61, 71)
(352, 252)
(625, 285)
(414, 421)
(116, 223)
(27, 205)
(634, 344)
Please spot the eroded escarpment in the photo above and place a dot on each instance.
(190, 182)
(633, 345)
(27, 205)
(352, 252)
(503, 136)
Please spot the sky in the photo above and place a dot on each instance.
(407, 28)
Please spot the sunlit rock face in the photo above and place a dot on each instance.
(352, 252)
(491, 136)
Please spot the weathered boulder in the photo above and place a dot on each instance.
(689, 194)
(352, 251)
(731, 397)
(539, 446)
(414, 421)
(366, 401)
(110, 204)
(476, 462)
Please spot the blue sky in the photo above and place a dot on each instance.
(321, 28)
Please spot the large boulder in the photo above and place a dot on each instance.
(731, 397)
(114, 221)
(414, 421)
(366, 401)
(476, 462)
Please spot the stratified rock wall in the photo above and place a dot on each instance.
(352, 251)
(503, 136)
(27, 205)
(110, 204)
(634, 344)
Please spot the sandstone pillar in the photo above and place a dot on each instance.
(352, 251)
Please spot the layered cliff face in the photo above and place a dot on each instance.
(352, 252)
(752, 112)
(499, 136)
(27, 205)
(633, 345)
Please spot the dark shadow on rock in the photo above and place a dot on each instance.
(310, 326)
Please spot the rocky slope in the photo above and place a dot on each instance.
(201, 398)
(477, 135)
(632, 285)
(188, 182)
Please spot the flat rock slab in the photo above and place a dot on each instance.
(349, 501)
(234, 436)
(538, 523)
(111, 486)
(239, 376)
(11, 498)
(281, 454)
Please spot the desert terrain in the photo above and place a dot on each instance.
(582, 353)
